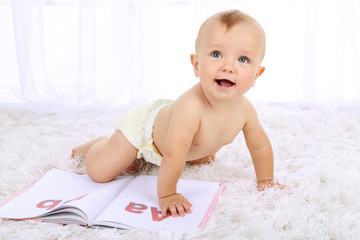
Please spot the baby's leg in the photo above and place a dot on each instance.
(107, 158)
(82, 150)
(204, 160)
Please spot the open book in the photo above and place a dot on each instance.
(128, 202)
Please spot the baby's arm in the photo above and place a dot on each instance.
(260, 150)
(183, 126)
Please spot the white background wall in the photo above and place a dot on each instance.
(70, 55)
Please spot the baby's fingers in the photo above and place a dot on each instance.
(164, 211)
(176, 204)
(175, 209)
(187, 206)
(274, 185)
(184, 207)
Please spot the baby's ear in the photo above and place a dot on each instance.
(195, 63)
(260, 71)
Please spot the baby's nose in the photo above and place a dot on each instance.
(227, 68)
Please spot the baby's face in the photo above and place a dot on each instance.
(228, 61)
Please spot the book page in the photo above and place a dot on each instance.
(95, 202)
(56, 189)
(137, 206)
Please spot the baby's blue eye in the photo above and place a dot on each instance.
(243, 60)
(216, 54)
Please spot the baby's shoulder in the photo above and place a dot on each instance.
(190, 101)
(247, 109)
(245, 104)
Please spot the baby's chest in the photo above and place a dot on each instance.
(216, 135)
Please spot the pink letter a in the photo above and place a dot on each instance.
(135, 208)
(155, 215)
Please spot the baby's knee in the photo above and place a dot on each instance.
(97, 173)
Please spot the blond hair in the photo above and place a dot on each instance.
(228, 18)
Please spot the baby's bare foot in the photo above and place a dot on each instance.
(205, 160)
(81, 151)
(135, 166)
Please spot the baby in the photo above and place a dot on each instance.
(230, 47)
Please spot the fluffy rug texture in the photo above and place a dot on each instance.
(317, 155)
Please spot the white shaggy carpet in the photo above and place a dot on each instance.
(317, 154)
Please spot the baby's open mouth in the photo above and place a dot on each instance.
(224, 83)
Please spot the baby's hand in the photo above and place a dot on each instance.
(261, 185)
(177, 204)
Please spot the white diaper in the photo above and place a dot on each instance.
(137, 126)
